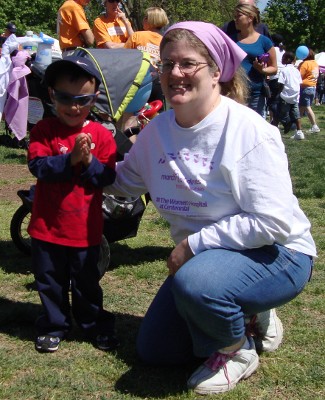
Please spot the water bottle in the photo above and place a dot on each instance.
(44, 51)
(30, 45)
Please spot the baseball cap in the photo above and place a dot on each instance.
(11, 27)
(60, 66)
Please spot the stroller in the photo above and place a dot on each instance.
(126, 85)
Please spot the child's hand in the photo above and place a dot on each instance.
(81, 148)
(86, 154)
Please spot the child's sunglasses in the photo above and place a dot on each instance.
(69, 100)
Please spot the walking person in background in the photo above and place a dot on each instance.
(10, 30)
(154, 20)
(289, 82)
(230, 27)
(112, 29)
(320, 89)
(274, 100)
(72, 159)
(72, 26)
(309, 71)
(256, 46)
(218, 173)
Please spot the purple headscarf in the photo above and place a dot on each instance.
(222, 49)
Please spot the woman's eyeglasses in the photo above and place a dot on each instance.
(185, 67)
(69, 100)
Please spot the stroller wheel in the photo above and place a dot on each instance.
(104, 257)
(18, 229)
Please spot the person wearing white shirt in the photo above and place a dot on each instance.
(289, 82)
(218, 173)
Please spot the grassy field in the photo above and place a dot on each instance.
(78, 371)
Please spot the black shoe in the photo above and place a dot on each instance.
(47, 343)
(106, 343)
(287, 127)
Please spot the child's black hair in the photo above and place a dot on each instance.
(73, 74)
(288, 57)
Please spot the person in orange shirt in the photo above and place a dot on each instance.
(155, 18)
(112, 29)
(309, 71)
(149, 39)
(72, 26)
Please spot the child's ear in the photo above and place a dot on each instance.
(50, 90)
(95, 98)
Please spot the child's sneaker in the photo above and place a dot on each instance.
(106, 343)
(47, 343)
(299, 135)
(314, 129)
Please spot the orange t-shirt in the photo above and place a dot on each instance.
(71, 20)
(148, 41)
(109, 29)
(309, 71)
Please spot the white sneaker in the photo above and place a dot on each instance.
(221, 372)
(267, 330)
(314, 129)
(299, 135)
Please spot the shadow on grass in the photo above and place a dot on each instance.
(17, 320)
(142, 380)
(12, 260)
(158, 382)
(123, 254)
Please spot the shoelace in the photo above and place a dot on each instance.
(219, 360)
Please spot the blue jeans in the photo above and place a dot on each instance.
(257, 102)
(288, 112)
(203, 307)
(307, 96)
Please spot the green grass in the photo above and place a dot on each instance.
(79, 371)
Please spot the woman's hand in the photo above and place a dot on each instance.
(269, 68)
(259, 66)
(122, 15)
(181, 253)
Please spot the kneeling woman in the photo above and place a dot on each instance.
(218, 173)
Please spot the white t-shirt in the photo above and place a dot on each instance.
(278, 53)
(291, 79)
(222, 183)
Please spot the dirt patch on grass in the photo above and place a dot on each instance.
(12, 178)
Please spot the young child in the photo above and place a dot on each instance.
(320, 89)
(72, 159)
(289, 81)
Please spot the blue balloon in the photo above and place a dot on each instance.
(302, 52)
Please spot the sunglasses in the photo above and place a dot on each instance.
(113, 1)
(68, 99)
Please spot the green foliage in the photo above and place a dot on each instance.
(299, 22)
(41, 15)
(36, 15)
(215, 11)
